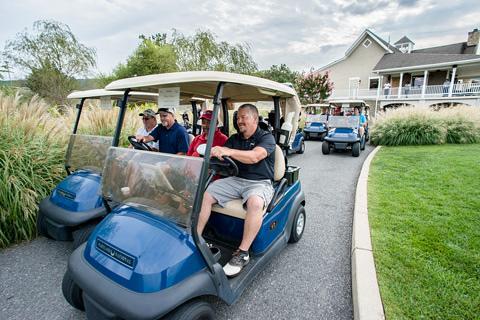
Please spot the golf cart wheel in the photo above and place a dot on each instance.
(42, 225)
(193, 310)
(325, 147)
(72, 292)
(356, 149)
(362, 143)
(302, 148)
(298, 225)
(81, 235)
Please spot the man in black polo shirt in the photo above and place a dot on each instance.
(253, 150)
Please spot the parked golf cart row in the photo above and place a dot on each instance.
(144, 259)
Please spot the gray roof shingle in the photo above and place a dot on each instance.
(403, 60)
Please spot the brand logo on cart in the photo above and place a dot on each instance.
(273, 225)
(115, 253)
(66, 194)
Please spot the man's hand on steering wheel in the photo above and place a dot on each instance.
(220, 152)
(138, 143)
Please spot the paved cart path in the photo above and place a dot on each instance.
(308, 280)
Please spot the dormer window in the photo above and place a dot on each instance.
(367, 43)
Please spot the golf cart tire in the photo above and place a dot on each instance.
(193, 310)
(356, 149)
(363, 142)
(325, 147)
(42, 225)
(302, 148)
(81, 235)
(72, 292)
(301, 217)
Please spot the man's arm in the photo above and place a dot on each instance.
(244, 156)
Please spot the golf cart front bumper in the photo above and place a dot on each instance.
(105, 299)
(341, 143)
(60, 223)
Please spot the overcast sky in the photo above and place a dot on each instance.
(302, 34)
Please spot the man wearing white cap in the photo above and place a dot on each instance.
(171, 137)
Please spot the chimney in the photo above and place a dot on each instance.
(473, 37)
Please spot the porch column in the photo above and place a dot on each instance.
(452, 80)
(400, 85)
(425, 80)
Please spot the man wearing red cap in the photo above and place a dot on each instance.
(219, 138)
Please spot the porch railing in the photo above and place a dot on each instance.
(406, 92)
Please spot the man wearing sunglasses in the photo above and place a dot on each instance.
(149, 119)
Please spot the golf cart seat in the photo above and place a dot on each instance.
(235, 208)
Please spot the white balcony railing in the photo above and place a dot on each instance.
(406, 92)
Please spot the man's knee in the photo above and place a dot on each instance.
(255, 203)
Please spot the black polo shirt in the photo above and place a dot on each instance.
(263, 170)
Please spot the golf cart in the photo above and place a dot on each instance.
(75, 206)
(344, 133)
(316, 117)
(145, 260)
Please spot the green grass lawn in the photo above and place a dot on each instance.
(424, 212)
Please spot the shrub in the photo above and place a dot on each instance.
(423, 126)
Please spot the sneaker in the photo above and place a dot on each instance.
(239, 260)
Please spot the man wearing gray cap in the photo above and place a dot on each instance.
(149, 119)
(171, 137)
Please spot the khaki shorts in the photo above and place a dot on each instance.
(227, 189)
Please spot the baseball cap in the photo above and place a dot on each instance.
(148, 113)
(207, 115)
(170, 110)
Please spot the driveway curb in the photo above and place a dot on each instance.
(367, 303)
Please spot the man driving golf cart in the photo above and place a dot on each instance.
(253, 150)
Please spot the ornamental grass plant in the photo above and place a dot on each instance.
(32, 147)
(33, 141)
(424, 126)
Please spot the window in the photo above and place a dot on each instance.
(373, 83)
(367, 43)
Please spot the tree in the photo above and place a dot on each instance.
(51, 50)
(280, 74)
(313, 87)
(202, 52)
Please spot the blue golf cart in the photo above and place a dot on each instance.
(145, 260)
(345, 133)
(75, 206)
(316, 120)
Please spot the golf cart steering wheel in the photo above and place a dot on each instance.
(227, 167)
(138, 145)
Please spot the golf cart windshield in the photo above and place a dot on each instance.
(316, 118)
(344, 121)
(87, 152)
(161, 184)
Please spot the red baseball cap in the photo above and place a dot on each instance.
(207, 115)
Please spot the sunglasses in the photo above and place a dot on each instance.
(146, 118)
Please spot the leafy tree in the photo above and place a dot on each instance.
(149, 58)
(313, 87)
(280, 74)
(50, 51)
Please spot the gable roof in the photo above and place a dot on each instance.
(404, 39)
(382, 43)
(418, 60)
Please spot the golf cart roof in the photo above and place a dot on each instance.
(203, 84)
(99, 93)
(347, 101)
(317, 105)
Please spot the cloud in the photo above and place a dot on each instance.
(301, 34)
